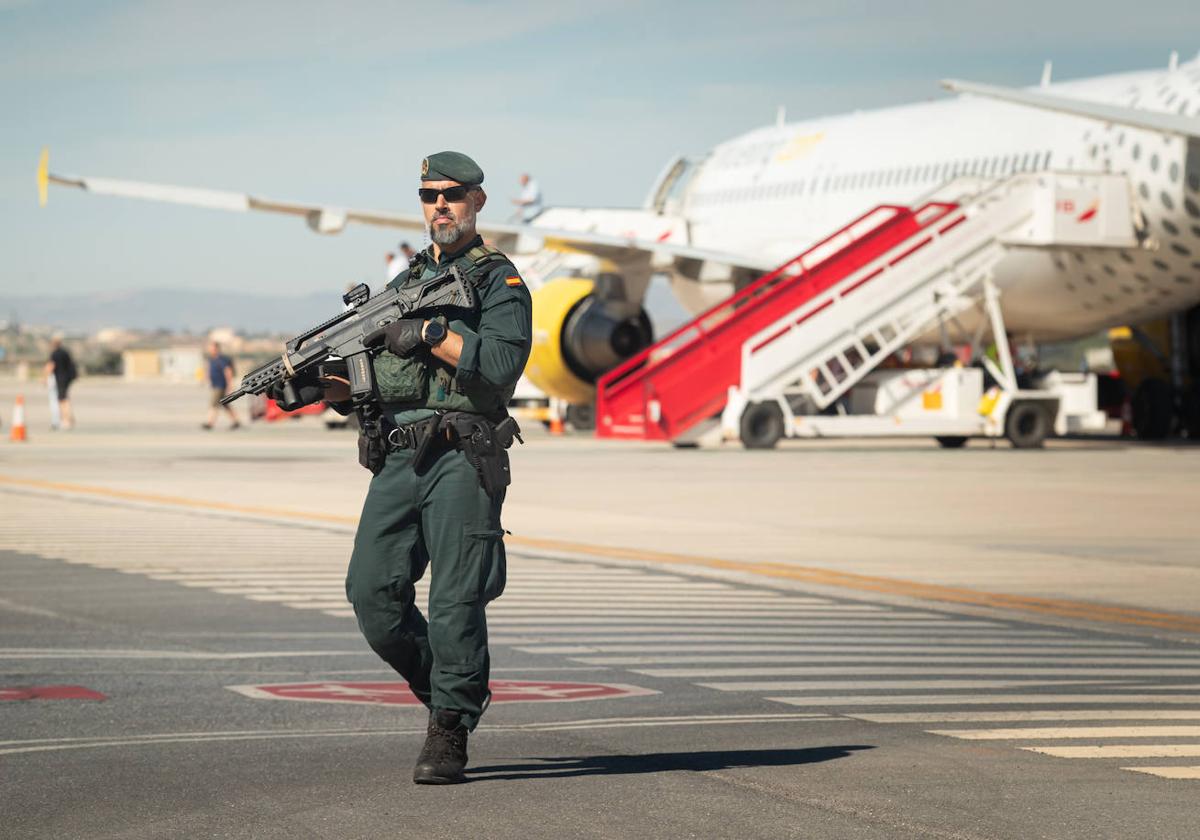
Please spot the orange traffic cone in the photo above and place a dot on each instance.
(18, 423)
(556, 423)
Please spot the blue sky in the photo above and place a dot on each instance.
(338, 102)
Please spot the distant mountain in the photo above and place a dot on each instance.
(188, 310)
(172, 309)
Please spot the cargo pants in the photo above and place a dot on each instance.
(441, 520)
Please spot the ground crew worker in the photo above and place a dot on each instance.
(434, 512)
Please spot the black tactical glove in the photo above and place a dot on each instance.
(297, 392)
(399, 337)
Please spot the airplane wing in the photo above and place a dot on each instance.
(635, 240)
(1174, 124)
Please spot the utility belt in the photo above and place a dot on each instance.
(483, 442)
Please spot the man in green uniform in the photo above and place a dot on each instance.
(430, 510)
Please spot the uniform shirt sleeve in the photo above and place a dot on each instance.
(496, 353)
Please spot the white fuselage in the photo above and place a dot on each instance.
(777, 190)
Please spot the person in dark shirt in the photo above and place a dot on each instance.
(220, 379)
(62, 367)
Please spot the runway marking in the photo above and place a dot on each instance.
(1056, 733)
(920, 668)
(52, 744)
(985, 699)
(1168, 772)
(100, 653)
(1060, 608)
(897, 654)
(669, 626)
(1035, 715)
(845, 685)
(392, 693)
(50, 692)
(1121, 751)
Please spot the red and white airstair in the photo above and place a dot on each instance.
(797, 340)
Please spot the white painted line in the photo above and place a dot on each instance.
(100, 653)
(919, 668)
(1168, 772)
(657, 639)
(985, 699)
(49, 744)
(667, 644)
(897, 654)
(699, 612)
(276, 598)
(1121, 751)
(1036, 715)
(1062, 732)
(587, 623)
(835, 685)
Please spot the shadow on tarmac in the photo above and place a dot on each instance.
(610, 765)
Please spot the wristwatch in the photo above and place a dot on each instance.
(434, 333)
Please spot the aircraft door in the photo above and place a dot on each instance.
(667, 194)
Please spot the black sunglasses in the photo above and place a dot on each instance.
(452, 194)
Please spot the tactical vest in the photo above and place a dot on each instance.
(424, 381)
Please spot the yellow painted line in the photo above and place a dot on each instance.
(174, 501)
(1060, 608)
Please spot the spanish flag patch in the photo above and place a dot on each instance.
(513, 281)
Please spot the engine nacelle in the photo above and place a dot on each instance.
(578, 335)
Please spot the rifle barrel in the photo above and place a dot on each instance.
(228, 398)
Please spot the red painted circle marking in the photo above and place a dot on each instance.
(398, 694)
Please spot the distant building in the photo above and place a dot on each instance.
(173, 364)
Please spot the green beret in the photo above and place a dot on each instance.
(451, 166)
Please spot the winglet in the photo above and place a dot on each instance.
(43, 177)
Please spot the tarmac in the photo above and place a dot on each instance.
(834, 639)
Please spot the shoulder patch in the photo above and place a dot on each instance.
(514, 280)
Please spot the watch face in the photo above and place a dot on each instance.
(435, 332)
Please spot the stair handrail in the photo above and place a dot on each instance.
(884, 262)
(615, 376)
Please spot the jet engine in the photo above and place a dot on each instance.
(581, 330)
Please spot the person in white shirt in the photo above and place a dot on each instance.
(399, 261)
(529, 202)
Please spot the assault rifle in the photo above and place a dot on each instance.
(343, 335)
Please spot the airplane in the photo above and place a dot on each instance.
(715, 223)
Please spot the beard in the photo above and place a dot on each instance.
(451, 233)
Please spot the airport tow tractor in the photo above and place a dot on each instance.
(802, 351)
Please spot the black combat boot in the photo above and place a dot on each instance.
(445, 752)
